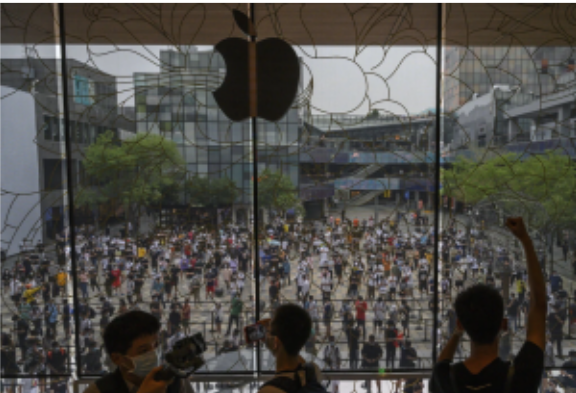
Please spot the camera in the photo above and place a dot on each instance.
(254, 333)
(184, 358)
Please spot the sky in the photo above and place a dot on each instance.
(400, 81)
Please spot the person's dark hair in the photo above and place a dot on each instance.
(292, 325)
(480, 309)
(124, 329)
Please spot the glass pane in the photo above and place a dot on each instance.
(346, 181)
(501, 149)
(361, 160)
(35, 206)
(160, 197)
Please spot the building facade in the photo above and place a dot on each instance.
(177, 102)
(470, 71)
(93, 106)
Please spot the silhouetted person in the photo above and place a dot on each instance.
(480, 311)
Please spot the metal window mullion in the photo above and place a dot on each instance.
(254, 126)
(70, 183)
(439, 38)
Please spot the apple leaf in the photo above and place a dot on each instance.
(244, 23)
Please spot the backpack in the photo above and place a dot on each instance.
(290, 385)
(507, 386)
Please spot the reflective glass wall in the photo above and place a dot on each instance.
(508, 150)
(37, 274)
(165, 219)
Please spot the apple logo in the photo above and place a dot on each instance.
(261, 77)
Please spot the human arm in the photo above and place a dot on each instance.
(364, 357)
(536, 328)
(450, 348)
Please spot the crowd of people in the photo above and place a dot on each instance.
(368, 287)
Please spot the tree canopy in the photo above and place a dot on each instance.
(210, 192)
(133, 172)
(276, 191)
(541, 188)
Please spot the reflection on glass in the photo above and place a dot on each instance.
(35, 318)
(164, 204)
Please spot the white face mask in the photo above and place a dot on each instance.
(145, 363)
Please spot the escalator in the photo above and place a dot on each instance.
(363, 198)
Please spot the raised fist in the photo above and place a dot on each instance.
(516, 226)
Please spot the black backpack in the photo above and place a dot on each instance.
(290, 385)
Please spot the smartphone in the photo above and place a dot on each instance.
(254, 333)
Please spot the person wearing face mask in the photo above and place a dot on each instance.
(131, 342)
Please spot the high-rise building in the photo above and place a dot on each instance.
(473, 71)
(36, 141)
(177, 102)
(504, 78)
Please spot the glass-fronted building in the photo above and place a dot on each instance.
(177, 102)
(475, 70)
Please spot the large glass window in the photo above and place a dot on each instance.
(35, 204)
(163, 214)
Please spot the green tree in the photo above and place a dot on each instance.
(133, 172)
(276, 191)
(541, 188)
(211, 193)
(373, 115)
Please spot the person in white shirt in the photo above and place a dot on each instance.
(445, 284)
(474, 265)
(218, 317)
(85, 324)
(423, 264)
(332, 357)
(379, 314)
(233, 289)
(15, 289)
(326, 286)
(406, 271)
(323, 253)
(299, 282)
(305, 287)
(314, 312)
(371, 281)
(383, 288)
(393, 314)
(392, 286)
(104, 262)
(130, 285)
(240, 282)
